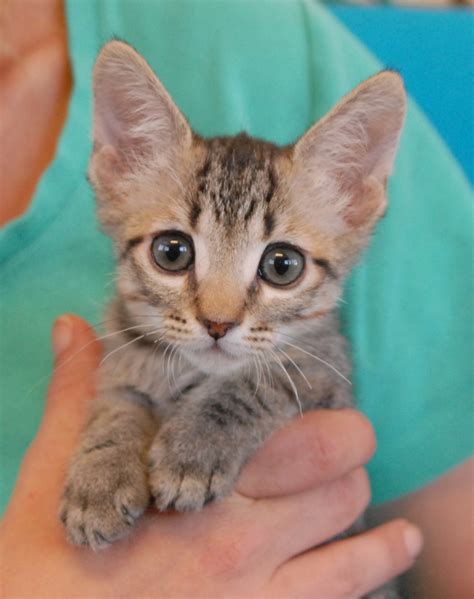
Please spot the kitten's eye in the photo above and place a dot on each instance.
(281, 265)
(173, 251)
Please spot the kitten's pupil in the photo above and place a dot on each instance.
(281, 263)
(172, 251)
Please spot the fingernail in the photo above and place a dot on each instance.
(62, 335)
(413, 540)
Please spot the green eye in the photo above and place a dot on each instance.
(173, 251)
(281, 265)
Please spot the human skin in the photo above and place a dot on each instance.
(35, 83)
(256, 543)
(27, 27)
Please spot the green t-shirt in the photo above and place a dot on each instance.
(272, 69)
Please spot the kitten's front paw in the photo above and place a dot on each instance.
(102, 499)
(186, 478)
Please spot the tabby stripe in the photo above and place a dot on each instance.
(131, 243)
(102, 445)
(326, 401)
(204, 171)
(272, 185)
(142, 397)
(187, 388)
(258, 398)
(323, 263)
(194, 214)
(250, 211)
(288, 390)
(220, 414)
(269, 222)
(210, 496)
(261, 403)
(240, 402)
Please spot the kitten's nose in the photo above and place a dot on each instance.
(217, 329)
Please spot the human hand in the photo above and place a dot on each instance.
(304, 486)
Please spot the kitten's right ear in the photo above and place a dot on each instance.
(135, 119)
(345, 159)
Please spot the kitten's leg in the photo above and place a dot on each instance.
(106, 487)
(198, 453)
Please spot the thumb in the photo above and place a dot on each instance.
(77, 354)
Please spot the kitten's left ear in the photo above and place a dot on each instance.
(351, 151)
(135, 119)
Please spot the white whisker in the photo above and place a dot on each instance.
(106, 336)
(293, 386)
(258, 372)
(333, 368)
(288, 357)
(174, 352)
(134, 340)
(271, 382)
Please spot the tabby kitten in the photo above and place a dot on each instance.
(231, 257)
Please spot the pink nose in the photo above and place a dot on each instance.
(217, 329)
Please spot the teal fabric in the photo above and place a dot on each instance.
(409, 40)
(271, 68)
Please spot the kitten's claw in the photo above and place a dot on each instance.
(179, 482)
(101, 502)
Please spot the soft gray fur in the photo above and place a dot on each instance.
(178, 410)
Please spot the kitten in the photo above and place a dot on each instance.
(231, 257)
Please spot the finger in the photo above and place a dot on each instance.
(77, 354)
(350, 568)
(321, 446)
(298, 522)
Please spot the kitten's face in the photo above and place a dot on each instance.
(229, 247)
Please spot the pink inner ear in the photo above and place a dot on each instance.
(368, 203)
(133, 113)
(106, 167)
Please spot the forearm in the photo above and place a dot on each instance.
(443, 510)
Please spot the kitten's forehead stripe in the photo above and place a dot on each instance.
(269, 222)
(272, 184)
(204, 170)
(250, 210)
(194, 214)
(237, 176)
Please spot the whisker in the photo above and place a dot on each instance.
(106, 336)
(288, 357)
(258, 372)
(271, 382)
(173, 354)
(155, 350)
(333, 368)
(134, 340)
(165, 366)
(293, 386)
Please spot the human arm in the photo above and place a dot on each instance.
(444, 512)
(254, 543)
(35, 84)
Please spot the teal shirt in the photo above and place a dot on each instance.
(272, 69)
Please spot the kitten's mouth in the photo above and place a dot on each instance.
(217, 349)
(214, 358)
